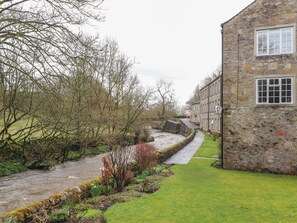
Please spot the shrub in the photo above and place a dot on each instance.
(158, 169)
(59, 216)
(117, 166)
(142, 135)
(151, 139)
(145, 134)
(106, 185)
(106, 171)
(213, 135)
(96, 190)
(141, 177)
(145, 156)
(129, 177)
(150, 185)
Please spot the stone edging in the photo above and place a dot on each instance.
(169, 151)
(21, 214)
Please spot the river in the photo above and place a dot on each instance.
(27, 187)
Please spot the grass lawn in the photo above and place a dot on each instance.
(200, 193)
(209, 148)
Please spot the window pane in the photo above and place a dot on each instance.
(287, 36)
(262, 43)
(262, 91)
(274, 41)
(286, 93)
(284, 99)
(284, 81)
(276, 81)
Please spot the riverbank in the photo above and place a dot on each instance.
(24, 188)
(15, 166)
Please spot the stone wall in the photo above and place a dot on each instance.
(171, 127)
(177, 128)
(184, 129)
(258, 137)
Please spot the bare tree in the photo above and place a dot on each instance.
(34, 56)
(212, 76)
(57, 86)
(165, 98)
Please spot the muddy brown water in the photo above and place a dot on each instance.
(27, 187)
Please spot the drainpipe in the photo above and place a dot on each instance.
(222, 100)
(238, 65)
(208, 107)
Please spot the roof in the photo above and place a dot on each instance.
(205, 86)
(239, 12)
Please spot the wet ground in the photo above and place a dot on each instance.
(24, 188)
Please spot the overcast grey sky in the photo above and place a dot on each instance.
(176, 40)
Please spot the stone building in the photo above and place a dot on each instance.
(208, 109)
(259, 88)
(195, 113)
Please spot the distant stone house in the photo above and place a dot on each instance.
(259, 88)
(209, 106)
(206, 112)
(195, 113)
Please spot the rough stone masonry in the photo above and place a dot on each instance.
(258, 137)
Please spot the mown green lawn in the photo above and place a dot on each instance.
(209, 148)
(200, 193)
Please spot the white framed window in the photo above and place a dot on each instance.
(274, 90)
(275, 41)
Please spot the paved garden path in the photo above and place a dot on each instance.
(186, 154)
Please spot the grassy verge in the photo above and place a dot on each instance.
(200, 193)
(209, 148)
(10, 167)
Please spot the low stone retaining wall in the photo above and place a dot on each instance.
(171, 127)
(171, 150)
(26, 213)
(177, 128)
